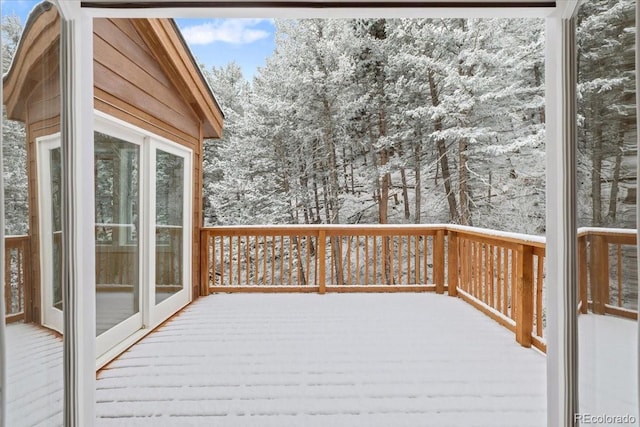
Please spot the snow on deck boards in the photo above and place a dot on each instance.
(322, 360)
(34, 381)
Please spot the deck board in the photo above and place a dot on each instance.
(312, 360)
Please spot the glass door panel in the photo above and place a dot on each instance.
(56, 231)
(169, 233)
(117, 172)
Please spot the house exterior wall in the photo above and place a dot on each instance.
(129, 84)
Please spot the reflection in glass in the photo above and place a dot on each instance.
(169, 224)
(117, 184)
(31, 115)
(607, 170)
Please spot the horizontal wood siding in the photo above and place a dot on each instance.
(128, 70)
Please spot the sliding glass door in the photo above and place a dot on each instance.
(117, 204)
(143, 211)
(171, 234)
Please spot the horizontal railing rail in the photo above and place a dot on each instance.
(500, 273)
(16, 277)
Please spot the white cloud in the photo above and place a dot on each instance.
(234, 31)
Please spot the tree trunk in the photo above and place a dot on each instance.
(418, 190)
(442, 153)
(613, 196)
(353, 190)
(596, 176)
(405, 194)
(463, 177)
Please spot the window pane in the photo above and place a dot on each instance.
(117, 223)
(169, 224)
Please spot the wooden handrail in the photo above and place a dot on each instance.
(500, 273)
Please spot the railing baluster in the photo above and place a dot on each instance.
(281, 279)
(392, 255)
(539, 284)
(491, 276)
(348, 260)
(321, 255)
(438, 261)
(417, 257)
(425, 252)
(408, 259)
(399, 259)
(499, 295)
(290, 260)
(247, 263)
(230, 261)
(375, 261)
(273, 260)
(239, 259)
(513, 284)
(358, 260)
(619, 253)
(256, 261)
(452, 274)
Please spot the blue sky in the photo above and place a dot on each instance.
(214, 42)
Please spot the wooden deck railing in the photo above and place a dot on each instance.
(501, 274)
(16, 260)
(338, 258)
(607, 285)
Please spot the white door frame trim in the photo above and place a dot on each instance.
(44, 144)
(78, 277)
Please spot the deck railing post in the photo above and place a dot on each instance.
(438, 261)
(322, 262)
(582, 273)
(452, 263)
(524, 295)
(599, 272)
(204, 263)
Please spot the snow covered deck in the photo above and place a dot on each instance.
(321, 360)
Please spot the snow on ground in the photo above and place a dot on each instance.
(322, 360)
